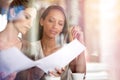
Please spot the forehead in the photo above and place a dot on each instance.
(31, 11)
(56, 13)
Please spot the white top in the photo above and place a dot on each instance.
(3, 22)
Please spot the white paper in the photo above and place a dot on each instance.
(62, 57)
(13, 60)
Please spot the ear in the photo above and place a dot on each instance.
(41, 22)
(12, 13)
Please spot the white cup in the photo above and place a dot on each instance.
(77, 76)
(51, 78)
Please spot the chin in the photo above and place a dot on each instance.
(24, 32)
(51, 37)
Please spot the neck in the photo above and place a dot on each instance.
(48, 45)
(10, 33)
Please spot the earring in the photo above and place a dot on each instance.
(41, 24)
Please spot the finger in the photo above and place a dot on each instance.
(78, 36)
(52, 73)
(75, 34)
(72, 29)
(63, 68)
(59, 71)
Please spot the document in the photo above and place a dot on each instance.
(13, 60)
(62, 57)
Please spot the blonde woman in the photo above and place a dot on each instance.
(21, 14)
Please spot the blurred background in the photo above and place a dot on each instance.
(99, 20)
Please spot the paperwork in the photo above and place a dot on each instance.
(13, 60)
(62, 57)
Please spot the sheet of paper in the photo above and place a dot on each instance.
(62, 57)
(13, 60)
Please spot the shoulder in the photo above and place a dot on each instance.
(25, 42)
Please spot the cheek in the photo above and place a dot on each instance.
(61, 29)
(19, 24)
(20, 20)
(46, 30)
(47, 27)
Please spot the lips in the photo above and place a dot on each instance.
(53, 32)
(27, 27)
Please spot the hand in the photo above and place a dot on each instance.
(78, 65)
(76, 32)
(57, 73)
(1, 74)
(12, 76)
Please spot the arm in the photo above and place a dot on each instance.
(57, 73)
(78, 65)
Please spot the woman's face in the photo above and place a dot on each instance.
(53, 23)
(24, 20)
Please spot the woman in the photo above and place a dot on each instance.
(20, 17)
(53, 24)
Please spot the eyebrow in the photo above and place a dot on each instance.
(27, 14)
(59, 20)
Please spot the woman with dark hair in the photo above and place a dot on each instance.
(21, 14)
(53, 24)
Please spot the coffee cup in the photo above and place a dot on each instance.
(77, 76)
(51, 78)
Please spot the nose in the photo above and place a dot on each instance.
(55, 25)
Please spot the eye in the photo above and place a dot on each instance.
(61, 24)
(27, 16)
(51, 20)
